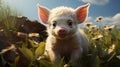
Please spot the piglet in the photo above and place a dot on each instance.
(64, 38)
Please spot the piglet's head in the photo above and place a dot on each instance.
(62, 21)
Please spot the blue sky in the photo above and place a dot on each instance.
(109, 9)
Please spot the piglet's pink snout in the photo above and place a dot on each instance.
(62, 31)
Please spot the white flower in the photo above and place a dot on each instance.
(111, 48)
(88, 24)
(33, 35)
(1, 30)
(93, 26)
(109, 27)
(11, 47)
(21, 34)
(97, 37)
(98, 19)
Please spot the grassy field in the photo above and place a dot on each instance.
(104, 50)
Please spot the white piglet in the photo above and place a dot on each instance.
(64, 38)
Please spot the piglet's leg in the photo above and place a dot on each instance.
(54, 57)
(75, 57)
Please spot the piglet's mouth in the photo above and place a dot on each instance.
(62, 35)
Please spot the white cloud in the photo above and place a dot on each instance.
(107, 20)
(97, 2)
(116, 20)
(112, 20)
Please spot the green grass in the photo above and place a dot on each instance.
(7, 12)
(102, 52)
(7, 23)
(104, 45)
(104, 48)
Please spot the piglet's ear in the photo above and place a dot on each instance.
(82, 12)
(43, 14)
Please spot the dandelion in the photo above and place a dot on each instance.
(98, 19)
(111, 48)
(88, 24)
(33, 35)
(109, 28)
(97, 37)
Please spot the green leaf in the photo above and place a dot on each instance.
(40, 50)
(27, 52)
(3, 60)
(97, 61)
(45, 63)
(16, 60)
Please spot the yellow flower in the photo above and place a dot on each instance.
(109, 27)
(111, 48)
(33, 35)
(98, 19)
(97, 37)
(88, 24)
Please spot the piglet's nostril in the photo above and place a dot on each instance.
(62, 31)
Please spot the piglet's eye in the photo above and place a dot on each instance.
(54, 23)
(69, 22)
